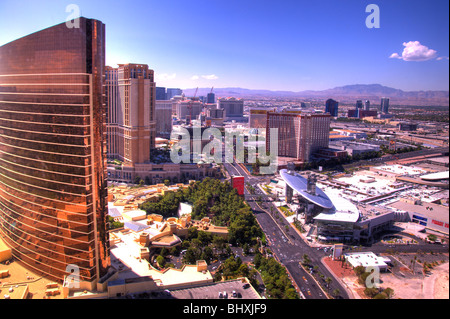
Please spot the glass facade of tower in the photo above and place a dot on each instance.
(53, 150)
(332, 107)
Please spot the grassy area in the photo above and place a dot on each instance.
(286, 211)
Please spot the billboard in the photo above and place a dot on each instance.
(237, 182)
(337, 251)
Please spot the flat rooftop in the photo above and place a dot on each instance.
(438, 212)
(127, 253)
(22, 277)
(212, 291)
(365, 259)
(401, 169)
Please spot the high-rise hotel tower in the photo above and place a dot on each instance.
(130, 99)
(299, 135)
(53, 150)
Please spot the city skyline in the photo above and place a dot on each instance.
(285, 46)
(99, 201)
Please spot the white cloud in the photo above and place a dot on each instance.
(210, 77)
(414, 51)
(165, 76)
(442, 58)
(195, 77)
(395, 56)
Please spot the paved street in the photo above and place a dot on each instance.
(288, 247)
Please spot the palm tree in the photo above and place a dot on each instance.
(315, 268)
(306, 260)
(328, 280)
(336, 292)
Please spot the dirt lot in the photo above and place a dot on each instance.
(406, 285)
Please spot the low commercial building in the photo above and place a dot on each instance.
(352, 133)
(367, 260)
(233, 107)
(430, 215)
(158, 173)
(354, 148)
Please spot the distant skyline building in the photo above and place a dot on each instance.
(234, 107)
(359, 107)
(163, 116)
(384, 105)
(211, 98)
(332, 107)
(359, 104)
(359, 113)
(53, 208)
(182, 108)
(130, 98)
(257, 117)
(161, 94)
(299, 135)
(366, 105)
(172, 92)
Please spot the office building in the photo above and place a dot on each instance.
(367, 105)
(187, 108)
(53, 204)
(299, 135)
(211, 98)
(332, 106)
(171, 92)
(384, 105)
(161, 93)
(163, 118)
(360, 113)
(359, 108)
(407, 126)
(359, 104)
(234, 107)
(215, 113)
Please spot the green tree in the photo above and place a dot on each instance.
(336, 293)
(389, 292)
(328, 280)
(306, 260)
(371, 292)
(381, 295)
(161, 261)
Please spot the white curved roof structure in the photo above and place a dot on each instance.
(299, 184)
(436, 176)
(339, 208)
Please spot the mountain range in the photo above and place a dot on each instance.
(343, 94)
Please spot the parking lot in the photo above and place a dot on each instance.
(225, 289)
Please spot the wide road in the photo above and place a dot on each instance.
(288, 247)
(285, 243)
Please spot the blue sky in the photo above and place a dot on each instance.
(277, 45)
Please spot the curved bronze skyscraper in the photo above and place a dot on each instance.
(53, 150)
